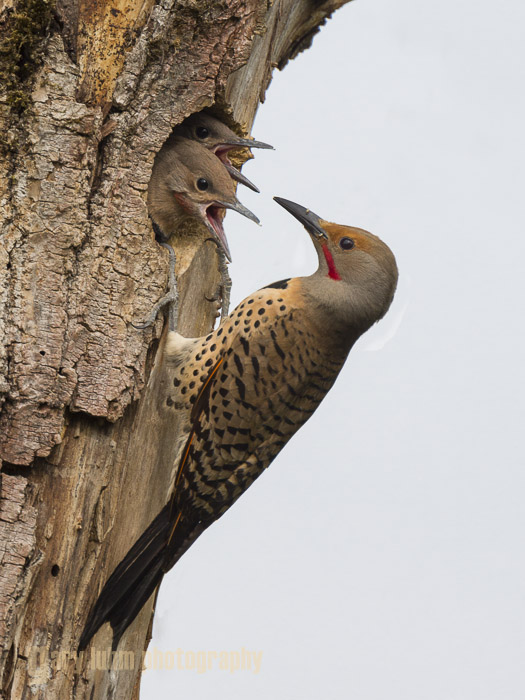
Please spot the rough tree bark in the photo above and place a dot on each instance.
(90, 90)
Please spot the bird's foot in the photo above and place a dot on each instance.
(224, 289)
(216, 299)
(226, 284)
(171, 298)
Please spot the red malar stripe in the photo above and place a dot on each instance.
(332, 272)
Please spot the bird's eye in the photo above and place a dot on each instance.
(202, 183)
(346, 243)
(202, 132)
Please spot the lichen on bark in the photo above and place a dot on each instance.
(22, 28)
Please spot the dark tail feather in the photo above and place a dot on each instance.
(127, 610)
(132, 582)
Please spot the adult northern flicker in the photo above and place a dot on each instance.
(248, 387)
(219, 139)
(188, 192)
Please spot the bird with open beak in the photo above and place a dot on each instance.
(244, 390)
(219, 139)
(188, 193)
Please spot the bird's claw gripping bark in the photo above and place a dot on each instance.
(224, 289)
(217, 300)
(226, 283)
(171, 298)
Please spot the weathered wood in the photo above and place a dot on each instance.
(90, 91)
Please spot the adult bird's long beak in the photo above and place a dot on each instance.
(309, 220)
(239, 177)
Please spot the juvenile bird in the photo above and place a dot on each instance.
(248, 387)
(188, 192)
(219, 139)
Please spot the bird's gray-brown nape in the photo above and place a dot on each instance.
(247, 388)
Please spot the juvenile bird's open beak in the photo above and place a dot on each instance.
(214, 221)
(239, 177)
(222, 149)
(309, 220)
(240, 209)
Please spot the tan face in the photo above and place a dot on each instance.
(188, 180)
(214, 135)
(347, 248)
(208, 190)
(357, 273)
(207, 130)
(219, 139)
(205, 180)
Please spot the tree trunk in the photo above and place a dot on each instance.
(90, 91)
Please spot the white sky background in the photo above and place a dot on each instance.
(382, 554)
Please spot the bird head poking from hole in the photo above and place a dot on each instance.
(189, 181)
(220, 140)
(356, 267)
(215, 135)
